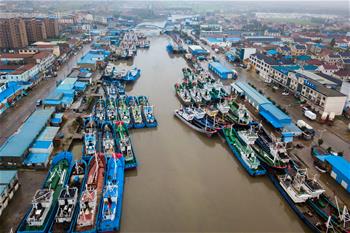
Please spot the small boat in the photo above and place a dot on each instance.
(125, 145)
(40, 216)
(196, 95)
(112, 196)
(90, 138)
(142, 100)
(205, 95)
(223, 107)
(239, 142)
(68, 199)
(108, 143)
(187, 115)
(124, 113)
(90, 198)
(136, 112)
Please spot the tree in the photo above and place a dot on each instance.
(320, 141)
(329, 149)
(341, 153)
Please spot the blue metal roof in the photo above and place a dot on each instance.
(220, 68)
(67, 84)
(80, 85)
(93, 56)
(276, 112)
(6, 176)
(42, 144)
(275, 123)
(339, 165)
(12, 88)
(19, 142)
(34, 158)
(48, 134)
(252, 93)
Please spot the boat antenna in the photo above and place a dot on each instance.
(329, 224)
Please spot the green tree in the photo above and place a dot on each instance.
(320, 142)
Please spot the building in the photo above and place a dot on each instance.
(35, 29)
(8, 186)
(221, 71)
(9, 93)
(196, 50)
(93, 58)
(22, 73)
(342, 74)
(16, 147)
(345, 89)
(207, 30)
(333, 59)
(298, 49)
(13, 33)
(328, 69)
(244, 53)
(51, 26)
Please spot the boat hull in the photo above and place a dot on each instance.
(250, 171)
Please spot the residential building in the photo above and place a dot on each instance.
(298, 49)
(51, 26)
(317, 92)
(328, 69)
(342, 74)
(13, 33)
(35, 29)
(333, 58)
(23, 73)
(345, 89)
(244, 53)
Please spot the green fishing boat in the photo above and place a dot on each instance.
(125, 145)
(44, 204)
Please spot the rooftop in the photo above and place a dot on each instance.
(6, 176)
(253, 93)
(338, 164)
(18, 143)
(220, 68)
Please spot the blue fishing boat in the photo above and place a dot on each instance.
(111, 209)
(68, 200)
(148, 114)
(132, 75)
(40, 216)
(100, 111)
(125, 145)
(136, 112)
(108, 142)
(90, 138)
(124, 113)
(240, 144)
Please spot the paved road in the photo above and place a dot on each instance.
(12, 119)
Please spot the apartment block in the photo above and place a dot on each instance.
(13, 33)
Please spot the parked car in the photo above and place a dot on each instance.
(285, 93)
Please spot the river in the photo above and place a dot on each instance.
(186, 182)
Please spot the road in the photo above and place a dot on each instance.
(13, 117)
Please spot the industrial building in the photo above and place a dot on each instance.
(8, 186)
(272, 114)
(16, 147)
(93, 58)
(197, 50)
(338, 168)
(221, 71)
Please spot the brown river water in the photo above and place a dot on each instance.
(185, 182)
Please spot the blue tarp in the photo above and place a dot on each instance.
(42, 144)
(80, 86)
(12, 88)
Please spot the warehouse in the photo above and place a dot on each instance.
(8, 186)
(13, 151)
(196, 50)
(338, 168)
(221, 70)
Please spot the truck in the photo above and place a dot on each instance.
(308, 131)
(310, 115)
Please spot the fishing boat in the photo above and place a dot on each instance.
(136, 112)
(201, 118)
(112, 113)
(108, 143)
(100, 111)
(239, 143)
(196, 95)
(132, 75)
(90, 138)
(149, 118)
(269, 159)
(238, 114)
(292, 191)
(68, 199)
(187, 115)
(223, 107)
(183, 94)
(205, 95)
(91, 196)
(125, 145)
(142, 100)
(124, 113)
(40, 216)
(112, 196)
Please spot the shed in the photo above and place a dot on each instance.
(37, 160)
(340, 169)
(80, 86)
(274, 115)
(49, 133)
(57, 119)
(8, 176)
(197, 50)
(252, 95)
(17, 145)
(221, 70)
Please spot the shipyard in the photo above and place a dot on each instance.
(165, 116)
